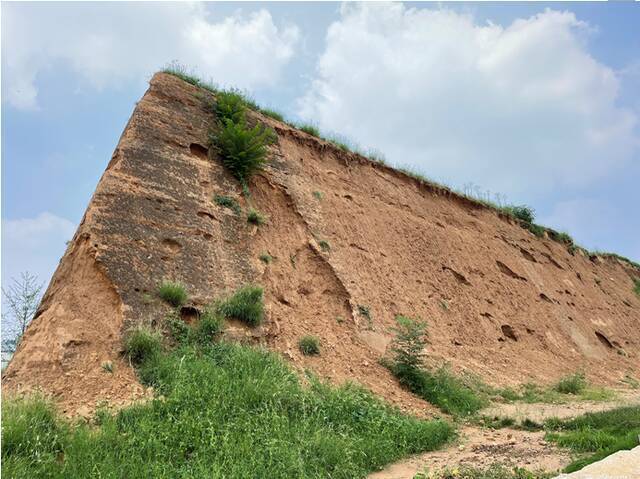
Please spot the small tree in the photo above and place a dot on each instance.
(21, 297)
(409, 343)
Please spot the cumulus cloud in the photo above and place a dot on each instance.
(108, 43)
(34, 244)
(520, 109)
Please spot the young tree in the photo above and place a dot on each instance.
(409, 343)
(21, 298)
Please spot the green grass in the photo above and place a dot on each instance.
(221, 410)
(276, 115)
(442, 389)
(495, 471)
(636, 286)
(309, 345)
(572, 384)
(310, 129)
(599, 434)
(523, 213)
(142, 343)
(246, 305)
(173, 293)
(266, 258)
(324, 245)
(227, 202)
(230, 106)
(318, 195)
(208, 328)
(255, 217)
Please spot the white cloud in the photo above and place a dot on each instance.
(108, 43)
(520, 110)
(34, 244)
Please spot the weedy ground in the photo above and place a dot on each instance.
(221, 410)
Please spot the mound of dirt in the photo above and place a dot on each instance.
(500, 302)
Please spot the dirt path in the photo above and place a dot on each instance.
(481, 447)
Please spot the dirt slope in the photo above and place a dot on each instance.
(500, 302)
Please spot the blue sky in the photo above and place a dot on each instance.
(538, 102)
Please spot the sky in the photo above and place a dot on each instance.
(536, 102)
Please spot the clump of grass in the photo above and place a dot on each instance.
(142, 344)
(246, 305)
(318, 195)
(309, 345)
(180, 71)
(537, 230)
(571, 384)
(243, 149)
(173, 293)
(601, 433)
(324, 245)
(266, 258)
(107, 367)
(209, 326)
(365, 311)
(310, 129)
(636, 286)
(495, 471)
(227, 202)
(255, 217)
(276, 115)
(222, 410)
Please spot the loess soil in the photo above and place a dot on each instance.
(500, 302)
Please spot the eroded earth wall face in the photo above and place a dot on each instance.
(499, 301)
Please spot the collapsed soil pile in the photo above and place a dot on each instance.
(352, 243)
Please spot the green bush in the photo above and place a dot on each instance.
(523, 213)
(572, 384)
(309, 345)
(142, 344)
(227, 202)
(255, 217)
(230, 106)
(408, 345)
(225, 410)
(173, 293)
(243, 149)
(246, 305)
(636, 286)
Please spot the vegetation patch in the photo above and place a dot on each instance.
(266, 258)
(318, 195)
(636, 286)
(255, 217)
(243, 149)
(142, 344)
(572, 384)
(246, 305)
(309, 129)
(228, 202)
(599, 434)
(221, 410)
(173, 293)
(309, 345)
(276, 115)
(324, 245)
(441, 387)
(495, 471)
